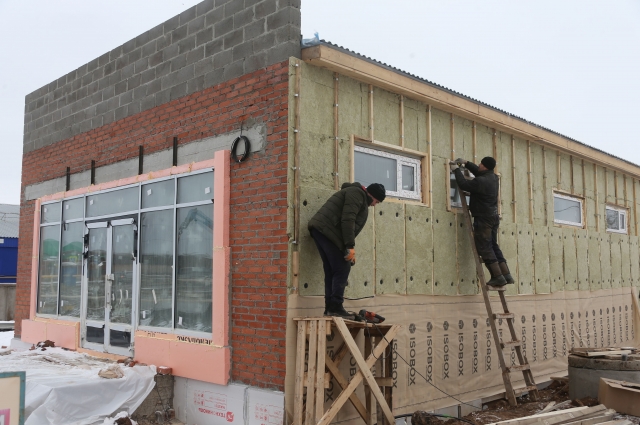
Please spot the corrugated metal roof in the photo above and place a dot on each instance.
(9, 220)
(431, 83)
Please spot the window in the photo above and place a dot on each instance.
(400, 175)
(616, 219)
(454, 191)
(567, 210)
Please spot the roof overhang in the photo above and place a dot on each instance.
(397, 82)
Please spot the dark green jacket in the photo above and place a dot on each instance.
(343, 216)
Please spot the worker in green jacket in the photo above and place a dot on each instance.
(334, 229)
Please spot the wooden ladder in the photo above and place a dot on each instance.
(524, 366)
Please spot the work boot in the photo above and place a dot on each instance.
(506, 273)
(336, 310)
(326, 307)
(496, 275)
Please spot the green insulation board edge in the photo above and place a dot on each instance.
(419, 246)
(390, 248)
(525, 259)
(444, 253)
(556, 263)
(508, 242)
(541, 256)
(467, 276)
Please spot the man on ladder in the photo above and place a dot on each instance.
(484, 209)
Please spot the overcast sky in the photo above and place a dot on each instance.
(572, 66)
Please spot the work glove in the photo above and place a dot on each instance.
(350, 255)
(453, 166)
(461, 161)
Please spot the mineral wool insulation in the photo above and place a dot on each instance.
(448, 341)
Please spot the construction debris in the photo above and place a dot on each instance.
(111, 372)
(621, 396)
(612, 353)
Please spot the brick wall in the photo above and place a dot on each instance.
(258, 233)
(209, 43)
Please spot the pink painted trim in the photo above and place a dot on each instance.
(63, 332)
(221, 249)
(35, 259)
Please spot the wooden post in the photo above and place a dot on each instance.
(336, 180)
(402, 121)
(635, 207)
(370, 113)
(545, 186)
(474, 140)
(453, 142)
(320, 380)
(513, 177)
(595, 195)
(429, 199)
(299, 385)
(571, 171)
(530, 182)
(310, 417)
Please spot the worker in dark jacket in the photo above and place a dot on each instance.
(484, 209)
(334, 229)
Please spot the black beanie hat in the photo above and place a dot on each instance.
(488, 162)
(377, 191)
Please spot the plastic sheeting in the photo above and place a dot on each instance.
(63, 387)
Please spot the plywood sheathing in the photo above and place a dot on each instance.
(390, 248)
(419, 250)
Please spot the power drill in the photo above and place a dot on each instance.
(370, 316)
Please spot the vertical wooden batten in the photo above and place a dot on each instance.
(370, 113)
(545, 186)
(427, 190)
(595, 195)
(513, 178)
(474, 140)
(530, 182)
(336, 132)
(402, 121)
(453, 140)
(635, 207)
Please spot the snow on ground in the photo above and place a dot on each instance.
(5, 339)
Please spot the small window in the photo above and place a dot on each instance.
(400, 175)
(454, 191)
(616, 219)
(567, 210)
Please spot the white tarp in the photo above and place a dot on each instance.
(63, 387)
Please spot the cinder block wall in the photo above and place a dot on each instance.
(250, 88)
(212, 42)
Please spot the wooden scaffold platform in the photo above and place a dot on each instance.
(310, 385)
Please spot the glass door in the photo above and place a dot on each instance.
(111, 251)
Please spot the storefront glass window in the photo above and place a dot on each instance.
(72, 209)
(71, 268)
(158, 194)
(48, 271)
(196, 188)
(50, 213)
(117, 201)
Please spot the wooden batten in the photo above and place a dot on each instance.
(595, 195)
(453, 140)
(402, 121)
(513, 178)
(635, 207)
(371, 126)
(427, 186)
(336, 131)
(545, 186)
(474, 142)
(573, 186)
(559, 171)
(529, 178)
(615, 187)
(606, 185)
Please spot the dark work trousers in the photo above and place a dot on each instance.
(485, 233)
(336, 269)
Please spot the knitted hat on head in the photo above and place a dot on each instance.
(488, 162)
(377, 191)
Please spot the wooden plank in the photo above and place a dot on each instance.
(429, 185)
(336, 132)
(548, 407)
(343, 383)
(310, 418)
(327, 382)
(402, 121)
(299, 385)
(513, 178)
(358, 377)
(545, 186)
(474, 141)
(322, 381)
(539, 416)
(600, 353)
(530, 182)
(370, 113)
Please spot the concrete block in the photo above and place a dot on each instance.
(214, 77)
(178, 91)
(264, 42)
(213, 17)
(126, 72)
(147, 76)
(91, 66)
(187, 15)
(171, 24)
(221, 59)
(147, 103)
(233, 7)
(138, 94)
(204, 36)
(255, 62)
(265, 8)
(178, 62)
(223, 2)
(108, 117)
(133, 108)
(283, 52)
(133, 82)
(254, 29)
(148, 49)
(154, 87)
(233, 39)
(179, 34)
(125, 98)
(155, 59)
(195, 55)
(213, 47)
(134, 56)
(242, 51)
(121, 112)
(163, 96)
(204, 7)
(282, 17)
(163, 42)
(188, 44)
(242, 18)
(223, 27)
(195, 84)
(141, 65)
(163, 69)
(184, 74)
(203, 66)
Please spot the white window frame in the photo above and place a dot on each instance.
(452, 177)
(620, 210)
(415, 195)
(574, 199)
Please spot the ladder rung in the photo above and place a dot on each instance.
(503, 316)
(518, 368)
(521, 391)
(514, 343)
(496, 288)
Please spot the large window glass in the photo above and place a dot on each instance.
(616, 219)
(454, 190)
(196, 188)
(567, 210)
(48, 270)
(194, 264)
(50, 213)
(399, 174)
(158, 194)
(116, 201)
(72, 209)
(156, 268)
(71, 268)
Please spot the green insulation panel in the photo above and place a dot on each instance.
(625, 260)
(419, 234)
(467, 276)
(316, 160)
(570, 259)
(634, 257)
(611, 187)
(508, 242)
(605, 260)
(390, 248)
(578, 187)
(630, 203)
(503, 145)
(552, 181)
(595, 272)
(353, 108)
(311, 278)
(590, 204)
(616, 264)
(522, 181)
(463, 137)
(537, 181)
(525, 259)
(316, 100)
(440, 186)
(620, 185)
(565, 173)
(556, 266)
(601, 197)
(582, 255)
(415, 125)
(441, 133)
(541, 259)
(386, 116)
(361, 278)
(484, 142)
(344, 161)
(444, 253)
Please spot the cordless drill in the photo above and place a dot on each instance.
(370, 316)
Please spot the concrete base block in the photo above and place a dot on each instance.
(584, 382)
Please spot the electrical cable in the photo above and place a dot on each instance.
(421, 375)
(234, 147)
(406, 415)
